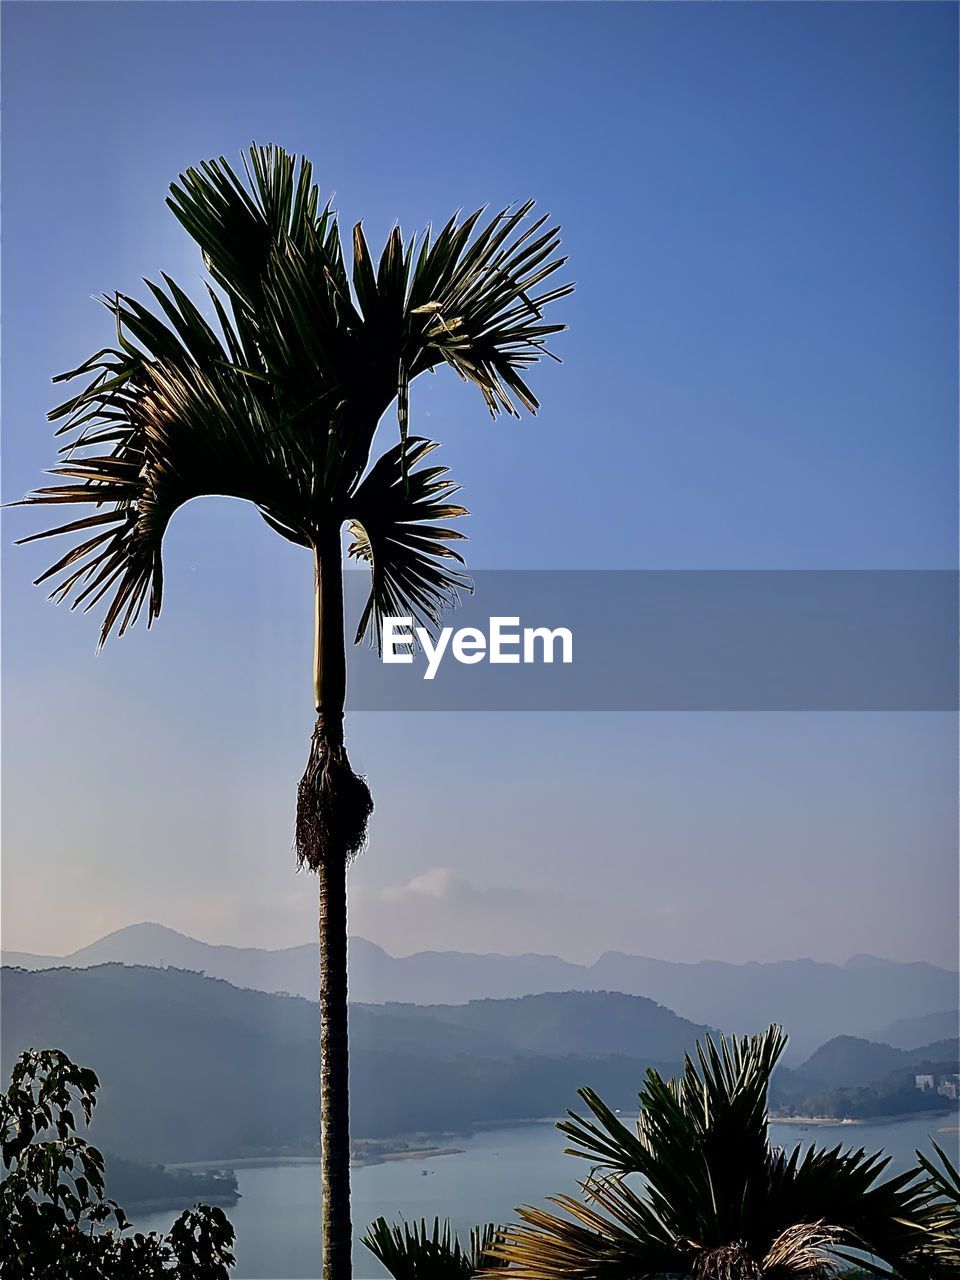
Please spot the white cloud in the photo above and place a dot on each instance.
(440, 883)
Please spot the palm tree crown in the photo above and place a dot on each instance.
(716, 1201)
(278, 400)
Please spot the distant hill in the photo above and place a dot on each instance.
(28, 960)
(893, 1094)
(848, 1061)
(815, 1001)
(193, 1068)
(923, 1029)
(589, 1023)
(151, 1187)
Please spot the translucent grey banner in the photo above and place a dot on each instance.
(642, 640)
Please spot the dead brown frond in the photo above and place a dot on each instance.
(729, 1262)
(803, 1250)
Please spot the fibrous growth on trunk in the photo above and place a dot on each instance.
(333, 805)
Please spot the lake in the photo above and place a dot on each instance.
(278, 1217)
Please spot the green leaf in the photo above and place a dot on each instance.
(393, 515)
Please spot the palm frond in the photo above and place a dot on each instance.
(473, 302)
(164, 419)
(937, 1255)
(944, 1175)
(277, 255)
(885, 1216)
(468, 298)
(616, 1235)
(611, 1233)
(238, 224)
(393, 518)
(807, 1249)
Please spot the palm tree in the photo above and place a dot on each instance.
(717, 1201)
(418, 1252)
(276, 401)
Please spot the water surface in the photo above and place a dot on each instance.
(278, 1216)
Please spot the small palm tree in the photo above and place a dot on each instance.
(276, 401)
(717, 1201)
(419, 1252)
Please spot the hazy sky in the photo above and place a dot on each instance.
(759, 203)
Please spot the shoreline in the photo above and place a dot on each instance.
(358, 1160)
(383, 1151)
(390, 1157)
(823, 1122)
(165, 1204)
(848, 1121)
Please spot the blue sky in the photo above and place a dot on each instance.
(759, 203)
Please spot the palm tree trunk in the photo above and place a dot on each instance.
(329, 650)
(334, 1073)
(330, 693)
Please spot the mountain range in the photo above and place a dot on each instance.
(194, 1068)
(815, 1001)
